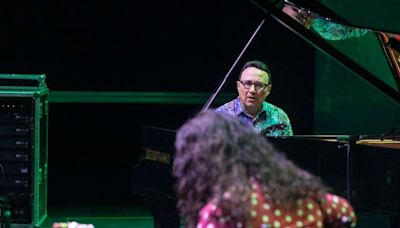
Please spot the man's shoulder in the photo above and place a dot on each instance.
(273, 108)
(229, 107)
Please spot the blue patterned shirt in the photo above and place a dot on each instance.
(271, 120)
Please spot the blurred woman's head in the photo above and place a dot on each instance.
(216, 154)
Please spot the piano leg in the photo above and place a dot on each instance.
(164, 215)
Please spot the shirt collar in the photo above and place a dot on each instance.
(239, 109)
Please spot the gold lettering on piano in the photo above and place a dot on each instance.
(158, 156)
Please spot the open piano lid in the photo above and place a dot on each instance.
(373, 53)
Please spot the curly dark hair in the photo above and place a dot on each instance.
(215, 153)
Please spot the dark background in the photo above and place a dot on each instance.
(120, 45)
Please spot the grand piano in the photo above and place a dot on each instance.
(362, 168)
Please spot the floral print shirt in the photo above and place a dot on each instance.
(271, 120)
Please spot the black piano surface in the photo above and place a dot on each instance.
(152, 178)
(366, 172)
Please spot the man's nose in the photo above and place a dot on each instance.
(253, 88)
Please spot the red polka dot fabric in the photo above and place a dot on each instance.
(332, 210)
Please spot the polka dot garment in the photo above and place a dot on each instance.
(332, 210)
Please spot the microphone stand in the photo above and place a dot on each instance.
(213, 96)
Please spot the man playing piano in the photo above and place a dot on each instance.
(253, 86)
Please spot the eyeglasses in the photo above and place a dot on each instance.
(257, 85)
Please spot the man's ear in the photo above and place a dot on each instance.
(237, 84)
(269, 87)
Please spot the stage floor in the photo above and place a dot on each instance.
(102, 216)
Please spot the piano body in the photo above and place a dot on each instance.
(362, 168)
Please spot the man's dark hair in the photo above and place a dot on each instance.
(259, 65)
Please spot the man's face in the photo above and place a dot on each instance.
(252, 98)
